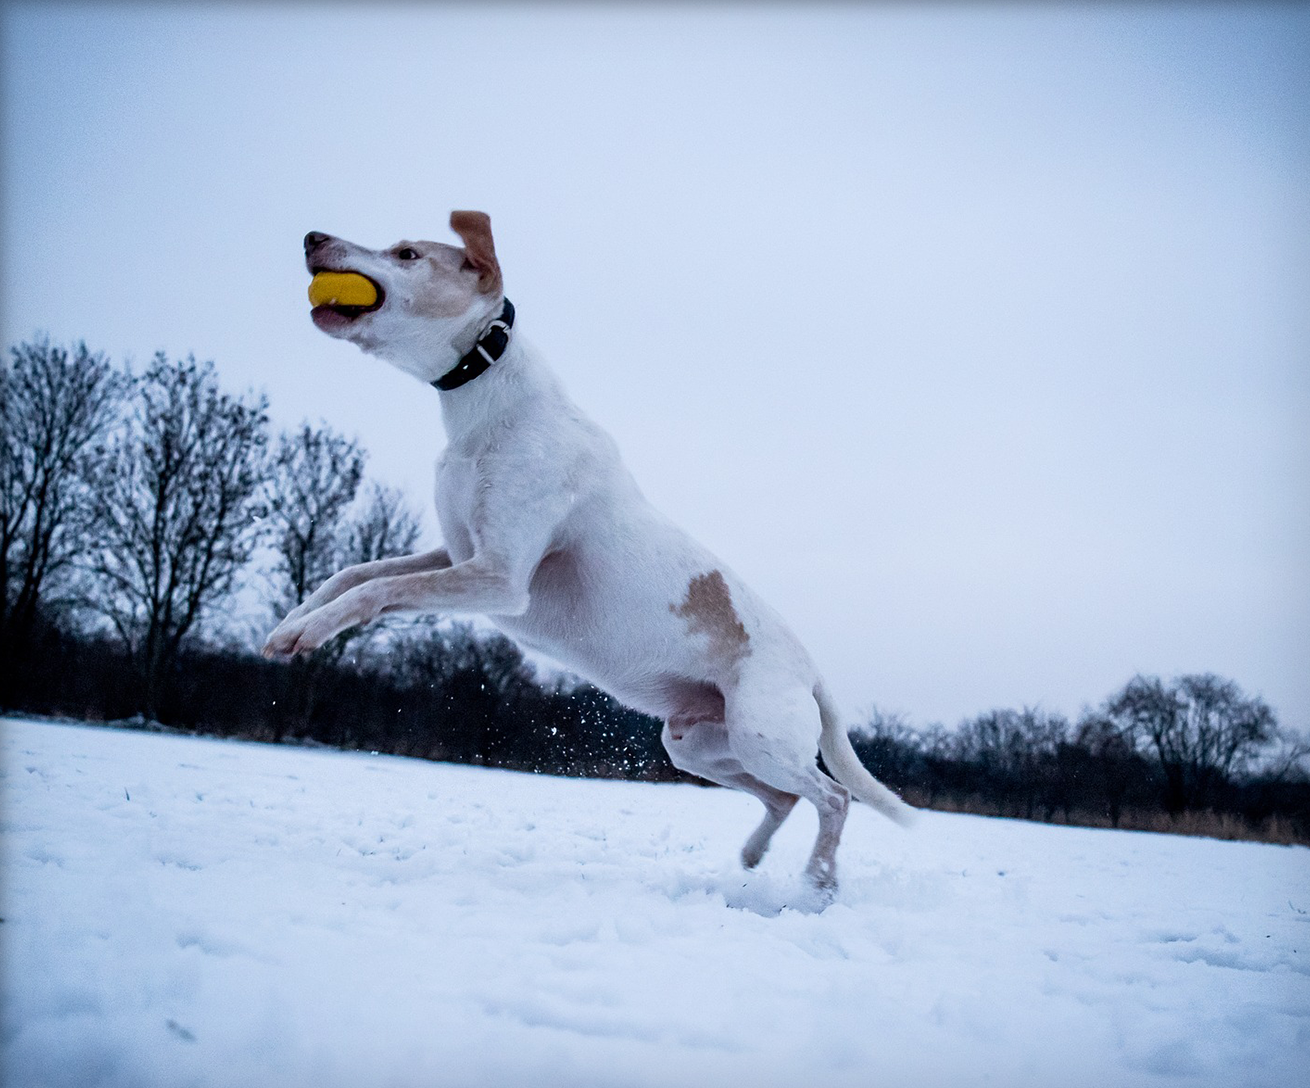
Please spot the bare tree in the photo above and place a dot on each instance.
(1288, 762)
(1110, 763)
(319, 521)
(315, 476)
(889, 746)
(383, 527)
(1199, 731)
(56, 405)
(176, 510)
(320, 524)
(1015, 754)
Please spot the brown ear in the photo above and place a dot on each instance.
(475, 229)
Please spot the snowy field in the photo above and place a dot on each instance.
(180, 911)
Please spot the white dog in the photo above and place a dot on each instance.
(548, 536)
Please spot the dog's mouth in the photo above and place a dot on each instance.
(340, 297)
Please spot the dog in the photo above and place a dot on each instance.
(547, 535)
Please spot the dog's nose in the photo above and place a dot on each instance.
(314, 239)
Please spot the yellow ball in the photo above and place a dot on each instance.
(341, 289)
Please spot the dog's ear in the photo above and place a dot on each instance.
(475, 229)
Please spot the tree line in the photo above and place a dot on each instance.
(139, 509)
(1193, 753)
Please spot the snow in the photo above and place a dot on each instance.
(181, 911)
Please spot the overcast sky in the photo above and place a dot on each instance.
(976, 337)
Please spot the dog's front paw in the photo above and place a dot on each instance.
(303, 633)
(284, 641)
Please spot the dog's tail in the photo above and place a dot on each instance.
(846, 767)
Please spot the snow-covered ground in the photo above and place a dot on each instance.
(180, 911)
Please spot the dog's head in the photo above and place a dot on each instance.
(419, 305)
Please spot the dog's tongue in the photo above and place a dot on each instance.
(341, 289)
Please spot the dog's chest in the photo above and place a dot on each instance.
(456, 495)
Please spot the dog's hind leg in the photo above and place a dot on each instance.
(777, 806)
(701, 748)
(774, 735)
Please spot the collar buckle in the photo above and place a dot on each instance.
(481, 346)
(489, 348)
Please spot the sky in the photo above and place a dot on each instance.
(974, 337)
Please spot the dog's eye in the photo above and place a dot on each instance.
(407, 254)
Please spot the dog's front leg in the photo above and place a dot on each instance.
(521, 502)
(479, 586)
(349, 577)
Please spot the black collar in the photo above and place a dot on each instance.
(490, 347)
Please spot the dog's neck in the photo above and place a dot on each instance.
(518, 382)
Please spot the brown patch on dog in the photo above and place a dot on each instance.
(708, 610)
(475, 230)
